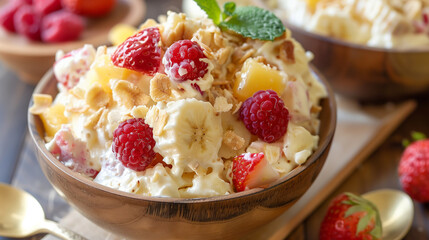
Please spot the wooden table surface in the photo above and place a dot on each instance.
(19, 167)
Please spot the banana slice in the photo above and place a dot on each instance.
(188, 133)
(236, 137)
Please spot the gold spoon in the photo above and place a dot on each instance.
(22, 216)
(396, 212)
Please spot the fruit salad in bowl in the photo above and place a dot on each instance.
(400, 24)
(186, 112)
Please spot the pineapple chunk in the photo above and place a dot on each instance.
(53, 118)
(120, 32)
(102, 71)
(257, 76)
(312, 4)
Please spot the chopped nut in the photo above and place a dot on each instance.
(223, 54)
(93, 119)
(41, 103)
(232, 140)
(96, 97)
(160, 88)
(77, 92)
(128, 95)
(139, 111)
(287, 52)
(221, 105)
(237, 107)
(148, 23)
(247, 55)
(103, 121)
(315, 109)
(412, 9)
(79, 106)
(157, 120)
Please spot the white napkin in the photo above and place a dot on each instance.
(360, 130)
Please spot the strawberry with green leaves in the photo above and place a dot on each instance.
(351, 217)
(413, 168)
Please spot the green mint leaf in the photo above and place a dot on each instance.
(229, 8)
(255, 23)
(211, 8)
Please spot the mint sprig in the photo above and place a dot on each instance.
(249, 21)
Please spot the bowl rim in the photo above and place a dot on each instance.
(40, 146)
(137, 11)
(338, 41)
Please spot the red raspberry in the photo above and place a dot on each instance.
(414, 170)
(44, 7)
(140, 52)
(182, 61)
(264, 115)
(7, 13)
(133, 144)
(62, 26)
(27, 22)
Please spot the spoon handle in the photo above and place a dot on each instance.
(61, 232)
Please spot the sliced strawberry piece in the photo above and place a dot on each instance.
(140, 52)
(89, 8)
(251, 170)
(62, 26)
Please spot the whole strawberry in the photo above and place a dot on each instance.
(414, 170)
(351, 217)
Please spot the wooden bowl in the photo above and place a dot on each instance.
(222, 217)
(367, 73)
(30, 60)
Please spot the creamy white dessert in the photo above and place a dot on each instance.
(401, 24)
(197, 125)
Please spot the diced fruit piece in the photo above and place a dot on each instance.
(414, 170)
(62, 26)
(265, 115)
(53, 118)
(252, 170)
(7, 14)
(90, 8)
(257, 76)
(44, 7)
(183, 62)
(351, 217)
(312, 3)
(103, 70)
(27, 22)
(140, 52)
(133, 144)
(120, 32)
(72, 152)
